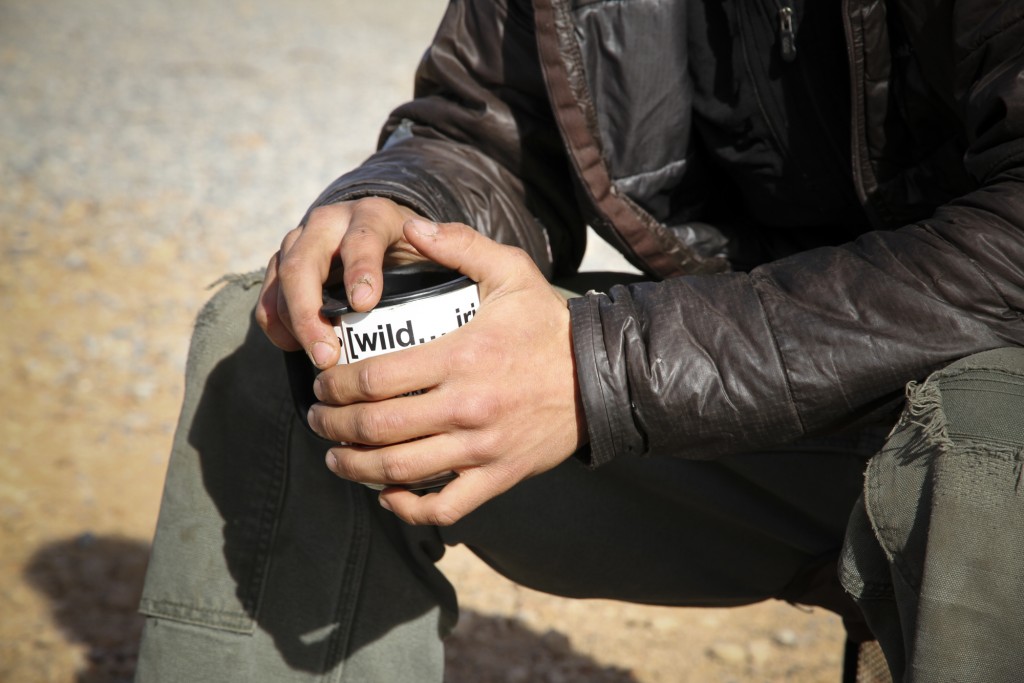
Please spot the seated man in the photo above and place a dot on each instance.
(816, 396)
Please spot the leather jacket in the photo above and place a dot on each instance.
(819, 227)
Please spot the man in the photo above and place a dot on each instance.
(821, 229)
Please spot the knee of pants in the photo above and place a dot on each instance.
(956, 453)
(943, 502)
(976, 400)
(960, 431)
(964, 418)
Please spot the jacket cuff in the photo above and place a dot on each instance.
(610, 425)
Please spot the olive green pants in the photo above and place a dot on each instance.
(267, 567)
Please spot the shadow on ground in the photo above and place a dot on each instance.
(94, 583)
(495, 649)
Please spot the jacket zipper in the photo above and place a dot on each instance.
(787, 33)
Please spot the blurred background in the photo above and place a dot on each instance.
(147, 148)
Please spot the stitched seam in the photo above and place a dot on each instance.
(351, 578)
(223, 620)
(754, 280)
(271, 510)
(953, 376)
(594, 317)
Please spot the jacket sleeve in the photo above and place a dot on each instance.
(707, 365)
(478, 143)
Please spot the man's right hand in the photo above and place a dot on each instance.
(362, 236)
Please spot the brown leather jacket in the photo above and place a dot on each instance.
(819, 227)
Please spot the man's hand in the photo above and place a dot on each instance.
(365, 234)
(500, 400)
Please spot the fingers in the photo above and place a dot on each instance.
(267, 314)
(477, 481)
(471, 489)
(395, 465)
(361, 233)
(380, 423)
(362, 257)
(381, 377)
(365, 413)
(453, 245)
(304, 264)
(374, 230)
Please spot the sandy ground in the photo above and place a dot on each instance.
(145, 149)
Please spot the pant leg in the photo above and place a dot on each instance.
(935, 549)
(679, 532)
(265, 566)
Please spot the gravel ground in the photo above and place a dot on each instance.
(145, 149)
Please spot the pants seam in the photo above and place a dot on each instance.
(270, 514)
(350, 580)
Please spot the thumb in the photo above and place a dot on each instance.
(462, 248)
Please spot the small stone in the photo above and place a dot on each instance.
(785, 637)
(143, 389)
(731, 653)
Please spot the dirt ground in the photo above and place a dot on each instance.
(145, 150)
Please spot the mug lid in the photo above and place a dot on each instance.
(401, 284)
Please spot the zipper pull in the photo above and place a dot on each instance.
(787, 36)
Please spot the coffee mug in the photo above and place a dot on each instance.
(419, 303)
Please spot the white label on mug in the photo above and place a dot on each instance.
(392, 328)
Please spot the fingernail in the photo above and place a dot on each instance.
(360, 292)
(384, 503)
(320, 353)
(425, 228)
(332, 461)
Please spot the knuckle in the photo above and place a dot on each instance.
(520, 256)
(482, 446)
(344, 468)
(469, 355)
(519, 259)
(290, 237)
(325, 215)
(325, 387)
(372, 204)
(327, 423)
(262, 315)
(370, 380)
(394, 468)
(371, 427)
(443, 514)
(478, 410)
(288, 266)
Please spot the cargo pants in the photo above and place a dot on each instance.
(267, 567)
